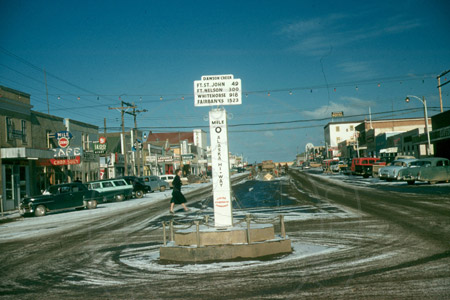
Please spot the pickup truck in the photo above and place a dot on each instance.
(364, 166)
(60, 197)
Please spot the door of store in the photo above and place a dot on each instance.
(14, 185)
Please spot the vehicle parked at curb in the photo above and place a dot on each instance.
(139, 187)
(391, 171)
(155, 183)
(433, 169)
(168, 178)
(363, 166)
(340, 166)
(60, 197)
(112, 189)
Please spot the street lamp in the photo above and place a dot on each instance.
(425, 111)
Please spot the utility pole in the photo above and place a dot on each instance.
(123, 109)
(439, 87)
(138, 147)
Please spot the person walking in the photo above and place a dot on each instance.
(177, 196)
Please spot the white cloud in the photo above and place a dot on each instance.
(349, 105)
(268, 133)
(316, 36)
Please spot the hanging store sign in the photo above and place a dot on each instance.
(99, 148)
(63, 142)
(66, 162)
(213, 90)
(63, 134)
(66, 152)
(337, 114)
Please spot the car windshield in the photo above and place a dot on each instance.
(398, 163)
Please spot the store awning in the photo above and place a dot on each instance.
(25, 153)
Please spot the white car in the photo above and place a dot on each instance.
(390, 172)
(167, 178)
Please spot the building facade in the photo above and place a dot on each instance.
(38, 150)
(367, 132)
(337, 132)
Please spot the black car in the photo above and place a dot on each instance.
(139, 187)
(60, 197)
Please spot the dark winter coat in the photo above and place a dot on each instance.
(177, 196)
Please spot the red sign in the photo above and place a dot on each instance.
(221, 202)
(66, 162)
(102, 140)
(63, 142)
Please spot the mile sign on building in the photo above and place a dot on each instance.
(218, 90)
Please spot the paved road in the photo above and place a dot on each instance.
(390, 245)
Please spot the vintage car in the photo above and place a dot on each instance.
(155, 183)
(390, 172)
(167, 178)
(60, 197)
(432, 169)
(364, 166)
(340, 166)
(139, 187)
(112, 189)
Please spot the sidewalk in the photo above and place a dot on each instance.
(9, 215)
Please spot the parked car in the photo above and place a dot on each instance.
(363, 166)
(155, 183)
(139, 186)
(391, 171)
(328, 163)
(432, 169)
(60, 197)
(112, 189)
(167, 178)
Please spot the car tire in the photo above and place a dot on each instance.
(139, 194)
(91, 204)
(162, 188)
(40, 211)
(119, 198)
(410, 182)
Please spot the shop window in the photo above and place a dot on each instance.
(9, 129)
(24, 131)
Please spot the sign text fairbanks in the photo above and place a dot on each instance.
(216, 90)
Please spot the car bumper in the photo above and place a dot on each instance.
(409, 177)
(388, 176)
(25, 210)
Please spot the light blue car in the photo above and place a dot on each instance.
(391, 171)
(155, 183)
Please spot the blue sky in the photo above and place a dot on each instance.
(313, 58)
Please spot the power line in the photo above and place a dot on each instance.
(389, 113)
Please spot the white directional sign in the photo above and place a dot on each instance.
(215, 90)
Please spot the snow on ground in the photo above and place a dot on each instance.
(23, 228)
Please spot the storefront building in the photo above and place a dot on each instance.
(38, 150)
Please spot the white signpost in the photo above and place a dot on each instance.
(223, 208)
(217, 90)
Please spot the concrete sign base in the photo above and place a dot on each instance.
(212, 244)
